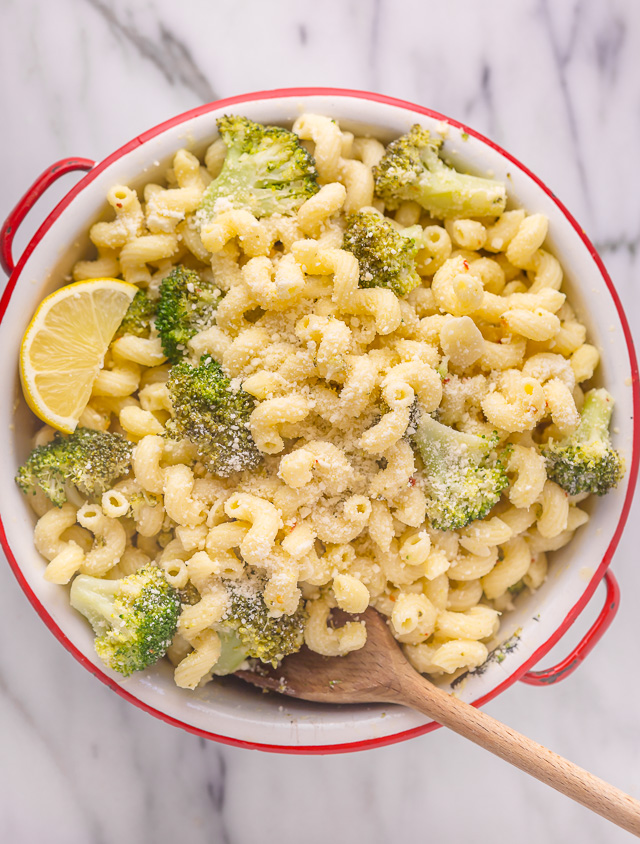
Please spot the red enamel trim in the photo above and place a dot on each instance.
(298, 93)
(26, 203)
(568, 665)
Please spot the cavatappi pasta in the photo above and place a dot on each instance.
(335, 516)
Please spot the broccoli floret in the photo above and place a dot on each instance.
(214, 415)
(463, 475)
(411, 169)
(248, 631)
(187, 305)
(134, 618)
(385, 256)
(266, 170)
(90, 460)
(137, 320)
(585, 461)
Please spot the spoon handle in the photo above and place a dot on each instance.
(528, 755)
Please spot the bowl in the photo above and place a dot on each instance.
(228, 710)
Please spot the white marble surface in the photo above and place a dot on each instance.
(557, 84)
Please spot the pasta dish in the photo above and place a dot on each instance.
(309, 372)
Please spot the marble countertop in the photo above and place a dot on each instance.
(557, 84)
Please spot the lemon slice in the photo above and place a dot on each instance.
(64, 347)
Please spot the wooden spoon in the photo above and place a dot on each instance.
(380, 673)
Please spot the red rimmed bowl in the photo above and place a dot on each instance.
(230, 711)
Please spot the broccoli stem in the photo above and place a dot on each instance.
(435, 441)
(444, 191)
(94, 597)
(232, 654)
(595, 416)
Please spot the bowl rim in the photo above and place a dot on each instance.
(303, 92)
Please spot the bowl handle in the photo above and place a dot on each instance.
(586, 644)
(29, 199)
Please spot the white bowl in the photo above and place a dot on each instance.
(229, 710)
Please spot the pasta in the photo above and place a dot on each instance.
(338, 372)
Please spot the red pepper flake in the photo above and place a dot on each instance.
(412, 481)
(465, 264)
(118, 205)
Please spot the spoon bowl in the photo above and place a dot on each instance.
(380, 673)
(373, 674)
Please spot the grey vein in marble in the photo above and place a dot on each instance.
(562, 57)
(168, 53)
(608, 47)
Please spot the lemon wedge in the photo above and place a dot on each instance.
(63, 348)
